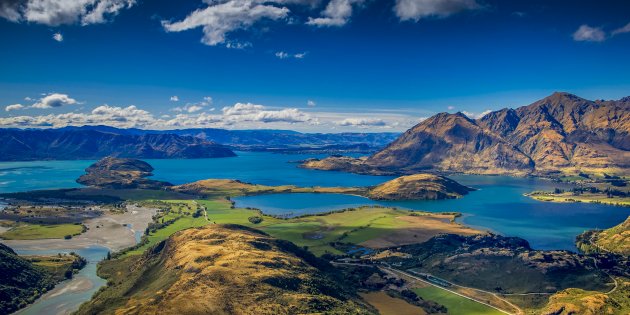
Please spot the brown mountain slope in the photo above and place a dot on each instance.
(223, 269)
(451, 142)
(560, 133)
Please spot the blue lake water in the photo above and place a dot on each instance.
(498, 205)
(23, 176)
(259, 168)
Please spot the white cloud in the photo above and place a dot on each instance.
(58, 37)
(586, 33)
(123, 117)
(477, 115)
(54, 100)
(248, 112)
(362, 122)
(451, 107)
(311, 103)
(239, 115)
(194, 107)
(237, 45)
(14, 107)
(285, 55)
(222, 17)
(621, 30)
(10, 10)
(418, 9)
(174, 98)
(58, 12)
(337, 13)
(282, 55)
(28, 99)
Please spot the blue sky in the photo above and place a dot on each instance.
(328, 65)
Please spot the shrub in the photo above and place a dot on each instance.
(255, 219)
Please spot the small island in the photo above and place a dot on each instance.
(419, 187)
(117, 173)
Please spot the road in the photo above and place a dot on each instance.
(400, 272)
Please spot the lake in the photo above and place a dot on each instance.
(498, 205)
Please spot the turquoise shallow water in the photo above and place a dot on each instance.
(23, 176)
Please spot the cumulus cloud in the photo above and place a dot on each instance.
(419, 9)
(311, 103)
(174, 98)
(54, 100)
(362, 122)
(451, 107)
(477, 115)
(239, 115)
(621, 30)
(222, 17)
(59, 12)
(587, 33)
(248, 112)
(14, 107)
(336, 13)
(123, 117)
(58, 37)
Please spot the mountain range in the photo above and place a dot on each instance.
(561, 133)
(94, 142)
(56, 144)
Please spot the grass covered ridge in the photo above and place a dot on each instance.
(223, 269)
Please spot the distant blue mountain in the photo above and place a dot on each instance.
(94, 142)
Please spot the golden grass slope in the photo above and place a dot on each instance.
(223, 269)
(616, 239)
(577, 301)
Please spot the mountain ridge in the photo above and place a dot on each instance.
(559, 134)
(25, 145)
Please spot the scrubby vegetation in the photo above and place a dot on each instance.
(614, 240)
(24, 279)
